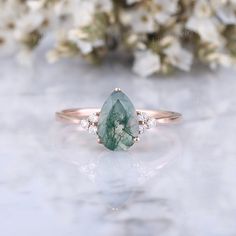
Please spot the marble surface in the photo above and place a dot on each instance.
(179, 180)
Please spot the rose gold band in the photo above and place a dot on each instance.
(74, 116)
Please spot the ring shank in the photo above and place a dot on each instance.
(74, 116)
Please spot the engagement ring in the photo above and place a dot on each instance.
(118, 124)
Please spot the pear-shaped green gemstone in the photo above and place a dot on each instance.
(118, 122)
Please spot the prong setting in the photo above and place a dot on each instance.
(136, 139)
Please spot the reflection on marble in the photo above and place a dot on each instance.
(117, 175)
(54, 180)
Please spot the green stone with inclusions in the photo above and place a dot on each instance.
(118, 122)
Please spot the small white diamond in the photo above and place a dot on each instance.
(92, 129)
(141, 129)
(143, 117)
(140, 117)
(151, 123)
(93, 118)
(84, 124)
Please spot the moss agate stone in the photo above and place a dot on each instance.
(118, 122)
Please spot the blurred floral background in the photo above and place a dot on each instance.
(159, 36)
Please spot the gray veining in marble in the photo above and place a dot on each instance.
(54, 180)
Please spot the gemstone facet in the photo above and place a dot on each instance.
(118, 123)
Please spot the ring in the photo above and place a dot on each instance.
(117, 124)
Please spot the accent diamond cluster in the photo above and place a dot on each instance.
(145, 122)
(90, 124)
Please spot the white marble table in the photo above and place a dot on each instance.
(177, 181)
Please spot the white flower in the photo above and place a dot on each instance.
(202, 9)
(204, 24)
(105, 5)
(28, 23)
(178, 56)
(219, 58)
(140, 20)
(82, 43)
(146, 63)
(35, 5)
(82, 12)
(63, 7)
(84, 46)
(225, 10)
(206, 28)
(75, 34)
(87, 47)
(165, 9)
(225, 60)
(226, 14)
